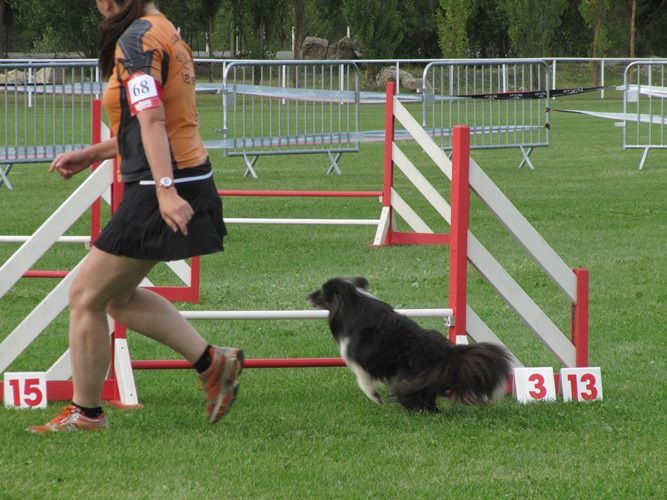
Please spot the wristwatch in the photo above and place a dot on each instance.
(165, 183)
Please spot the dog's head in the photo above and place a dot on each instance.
(336, 290)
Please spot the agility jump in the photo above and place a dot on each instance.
(464, 174)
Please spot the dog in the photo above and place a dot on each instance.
(383, 347)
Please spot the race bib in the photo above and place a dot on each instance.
(143, 92)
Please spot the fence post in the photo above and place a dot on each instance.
(458, 242)
(579, 327)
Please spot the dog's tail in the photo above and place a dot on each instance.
(476, 373)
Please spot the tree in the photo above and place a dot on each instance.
(3, 28)
(191, 17)
(299, 26)
(532, 25)
(593, 11)
(259, 24)
(452, 19)
(573, 37)
(324, 18)
(60, 25)
(652, 28)
(487, 29)
(633, 29)
(420, 33)
(376, 25)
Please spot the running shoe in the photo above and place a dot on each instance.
(220, 381)
(71, 418)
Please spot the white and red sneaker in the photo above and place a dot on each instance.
(71, 418)
(220, 382)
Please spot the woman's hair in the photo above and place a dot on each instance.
(113, 27)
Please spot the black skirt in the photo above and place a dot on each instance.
(137, 229)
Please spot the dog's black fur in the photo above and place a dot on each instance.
(382, 346)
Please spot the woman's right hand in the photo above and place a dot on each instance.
(175, 211)
(70, 163)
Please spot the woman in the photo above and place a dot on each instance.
(170, 210)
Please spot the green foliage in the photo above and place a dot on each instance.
(593, 12)
(487, 29)
(60, 25)
(324, 19)
(652, 32)
(452, 19)
(572, 38)
(259, 23)
(532, 25)
(375, 24)
(420, 34)
(192, 17)
(391, 29)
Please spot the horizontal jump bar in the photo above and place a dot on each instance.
(286, 193)
(303, 314)
(344, 222)
(45, 274)
(62, 239)
(248, 363)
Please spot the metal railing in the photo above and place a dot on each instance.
(45, 103)
(645, 107)
(295, 107)
(505, 103)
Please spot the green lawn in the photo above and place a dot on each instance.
(310, 432)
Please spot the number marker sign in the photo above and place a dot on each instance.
(581, 384)
(534, 384)
(25, 390)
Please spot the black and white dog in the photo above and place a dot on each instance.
(381, 346)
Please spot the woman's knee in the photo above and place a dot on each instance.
(85, 296)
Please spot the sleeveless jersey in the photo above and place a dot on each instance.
(153, 66)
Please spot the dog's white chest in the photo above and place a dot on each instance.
(366, 383)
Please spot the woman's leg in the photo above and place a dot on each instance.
(108, 283)
(152, 315)
(102, 276)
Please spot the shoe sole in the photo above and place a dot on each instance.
(227, 395)
(44, 429)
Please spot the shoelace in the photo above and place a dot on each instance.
(64, 415)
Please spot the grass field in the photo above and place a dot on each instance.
(310, 433)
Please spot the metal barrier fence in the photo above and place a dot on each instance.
(504, 102)
(300, 107)
(645, 107)
(45, 108)
(286, 107)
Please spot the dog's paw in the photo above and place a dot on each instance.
(374, 396)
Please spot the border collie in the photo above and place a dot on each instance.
(381, 346)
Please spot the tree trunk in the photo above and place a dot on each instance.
(596, 41)
(299, 22)
(633, 29)
(3, 30)
(209, 46)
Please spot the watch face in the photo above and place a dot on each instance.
(166, 182)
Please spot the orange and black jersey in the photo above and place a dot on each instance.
(153, 67)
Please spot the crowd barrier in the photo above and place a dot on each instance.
(644, 107)
(285, 107)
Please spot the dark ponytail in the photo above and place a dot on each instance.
(113, 27)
